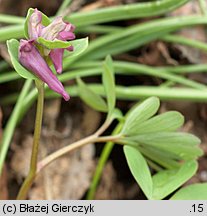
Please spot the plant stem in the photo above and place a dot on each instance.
(90, 139)
(101, 164)
(103, 127)
(42, 164)
(111, 138)
(65, 150)
(37, 132)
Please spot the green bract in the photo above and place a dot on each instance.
(80, 45)
(53, 44)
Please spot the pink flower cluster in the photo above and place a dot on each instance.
(33, 55)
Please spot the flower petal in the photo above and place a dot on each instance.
(31, 59)
(67, 33)
(56, 56)
(64, 35)
(35, 24)
(51, 31)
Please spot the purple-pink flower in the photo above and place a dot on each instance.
(33, 59)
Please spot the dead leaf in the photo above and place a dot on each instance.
(20, 161)
(67, 178)
(156, 54)
(165, 53)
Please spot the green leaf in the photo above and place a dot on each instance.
(117, 114)
(139, 169)
(91, 98)
(53, 44)
(45, 21)
(165, 182)
(13, 46)
(192, 192)
(164, 158)
(169, 121)
(139, 114)
(166, 138)
(182, 144)
(109, 83)
(79, 45)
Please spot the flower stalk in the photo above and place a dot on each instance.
(37, 132)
